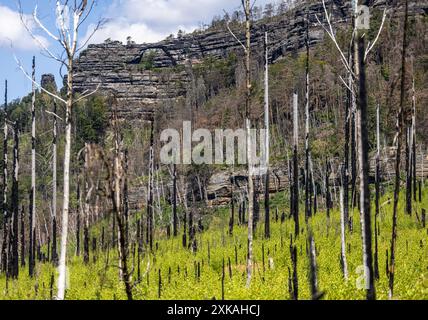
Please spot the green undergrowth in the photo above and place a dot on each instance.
(179, 267)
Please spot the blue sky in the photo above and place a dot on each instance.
(143, 20)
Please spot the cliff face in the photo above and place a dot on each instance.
(122, 69)
(119, 68)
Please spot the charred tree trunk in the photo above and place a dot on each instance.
(150, 207)
(267, 138)
(364, 165)
(295, 282)
(247, 10)
(313, 269)
(308, 194)
(78, 220)
(343, 224)
(15, 205)
(4, 249)
(377, 195)
(399, 133)
(54, 187)
(174, 202)
(22, 237)
(295, 199)
(116, 193)
(232, 206)
(327, 188)
(33, 172)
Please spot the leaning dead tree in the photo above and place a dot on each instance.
(69, 17)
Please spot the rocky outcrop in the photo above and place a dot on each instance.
(48, 82)
(143, 76)
(122, 69)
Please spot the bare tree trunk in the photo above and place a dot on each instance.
(150, 208)
(66, 189)
(15, 205)
(32, 262)
(22, 237)
(295, 281)
(377, 196)
(295, 166)
(5, 209)
(174, 201)
(399, 134)
(313, 269)
(249, 151)
(308, 195)
(364, 168)
(54, 187)
(343, 236)
(86, 207)
(349, 98)
(78, 211)
(327, 188)
(232, 206)
(413, 145)
(267, 137)
(408, 139)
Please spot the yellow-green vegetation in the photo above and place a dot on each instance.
(179, 266)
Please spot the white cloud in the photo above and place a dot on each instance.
(12, 32)
(153, 20)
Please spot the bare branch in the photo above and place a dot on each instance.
(54, 114)
(41, 25)
(234, 36)
(97, 27)
(84, 96)
(370, 46)
(330, 33)
(35, 83)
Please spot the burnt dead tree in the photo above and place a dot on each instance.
(358, 87)
(32, 258)
(174, 201)
(295, 198)
(5, 209)
(364, 168)
(150, 207)
(377, 194)
(67, 36)
(22, 237)
(116, 193)
(14, 261)
(267, 138)
(308, 194)
(398, 139)
(54, 255)
(343, 224)
(247, 8)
